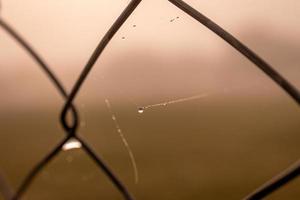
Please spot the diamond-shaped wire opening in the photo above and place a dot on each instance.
(73, 141)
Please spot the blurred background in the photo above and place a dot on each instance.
(215, 126)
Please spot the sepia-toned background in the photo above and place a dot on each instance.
(227, 130)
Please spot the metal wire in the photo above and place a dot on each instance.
(240, 47)
(276, 182)
(44, 66)
(290, 174)
(99, 49)
(106, 170)
(71, 129)
(33, 173)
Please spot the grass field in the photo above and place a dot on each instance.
(213, 148)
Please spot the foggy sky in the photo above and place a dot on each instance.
(149, 49)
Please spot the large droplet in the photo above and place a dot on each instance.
(72, 144)
(141, 110)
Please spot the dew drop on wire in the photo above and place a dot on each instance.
(141, 110)
(72, 144)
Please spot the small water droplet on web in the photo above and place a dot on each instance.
(141, 110)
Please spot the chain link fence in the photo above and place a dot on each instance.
(71, 129)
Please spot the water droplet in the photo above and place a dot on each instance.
(123, 38)
(133, 25)
(141, 110)
(72, 144)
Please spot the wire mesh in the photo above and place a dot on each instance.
(71, 129)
